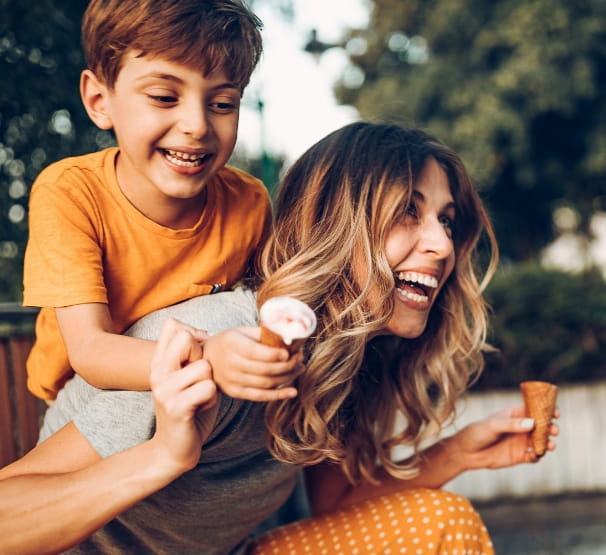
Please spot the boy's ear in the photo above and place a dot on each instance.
(94, 97)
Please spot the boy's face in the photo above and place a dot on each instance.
(175, 128)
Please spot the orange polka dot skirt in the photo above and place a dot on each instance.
(412, 522)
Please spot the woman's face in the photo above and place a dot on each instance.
(420, 251)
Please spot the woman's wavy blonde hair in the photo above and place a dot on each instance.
(334, 210)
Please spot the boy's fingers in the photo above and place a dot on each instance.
(265, 395)
(263, 381)
(288, 369)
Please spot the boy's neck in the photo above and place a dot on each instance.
(172, 213)
(156, 205)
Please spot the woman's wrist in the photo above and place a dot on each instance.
(166, 464)
(455, 457)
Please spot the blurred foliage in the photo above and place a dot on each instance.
(41, 116)
(517, 88)
(547, 325)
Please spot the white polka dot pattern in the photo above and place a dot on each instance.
(412, 522)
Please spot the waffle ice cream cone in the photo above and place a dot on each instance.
(540, 401)
(286, 323)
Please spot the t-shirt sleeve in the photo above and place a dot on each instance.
(64, 258)
(111, 421)
(117, 420)
(212, 313)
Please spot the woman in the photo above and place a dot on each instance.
(376, 229)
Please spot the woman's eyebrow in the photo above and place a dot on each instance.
(419, 196)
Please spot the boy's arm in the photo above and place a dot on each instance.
(243, 368)
(104, 358)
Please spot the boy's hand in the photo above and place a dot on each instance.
(243, 368)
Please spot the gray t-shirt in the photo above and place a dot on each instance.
(211, 509)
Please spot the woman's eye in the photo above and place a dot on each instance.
(411, 211)
(448, 223)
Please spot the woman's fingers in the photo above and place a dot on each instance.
(175, 348)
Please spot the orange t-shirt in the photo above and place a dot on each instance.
(89, 244)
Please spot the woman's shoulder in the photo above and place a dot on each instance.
(213, 313)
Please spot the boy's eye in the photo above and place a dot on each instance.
(223, 107)
(163, 99)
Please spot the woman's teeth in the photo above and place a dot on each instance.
(413, 285)
(412, 296)
(416, 277)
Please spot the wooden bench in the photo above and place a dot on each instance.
(20, 411)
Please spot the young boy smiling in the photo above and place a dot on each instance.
(160, 218)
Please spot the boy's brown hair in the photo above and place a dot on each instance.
(200, 34)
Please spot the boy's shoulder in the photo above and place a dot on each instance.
(238, 182)
(94, 163)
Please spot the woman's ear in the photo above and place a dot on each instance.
(94, 96)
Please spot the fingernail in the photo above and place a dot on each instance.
(527, 423)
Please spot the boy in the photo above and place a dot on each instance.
(158, 219)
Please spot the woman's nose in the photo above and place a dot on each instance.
(436, 237)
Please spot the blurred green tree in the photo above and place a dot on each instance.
(518, 88)
(543, 329)
(41, 117)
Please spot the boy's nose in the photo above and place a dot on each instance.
(435, 238)
(193, 121)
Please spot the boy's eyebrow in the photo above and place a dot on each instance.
(170, 77)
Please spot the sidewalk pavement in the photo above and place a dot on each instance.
(567, 525)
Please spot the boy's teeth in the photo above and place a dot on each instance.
(416, 277)
(184, 155)
(184, 158)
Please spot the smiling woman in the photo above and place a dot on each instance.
(420, 247)
(406, 207)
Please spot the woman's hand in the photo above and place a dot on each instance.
(185, 396)
(501, 440)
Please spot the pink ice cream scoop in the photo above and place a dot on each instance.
(286, 322)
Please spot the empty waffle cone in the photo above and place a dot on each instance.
(286, 323)
(540, 401)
